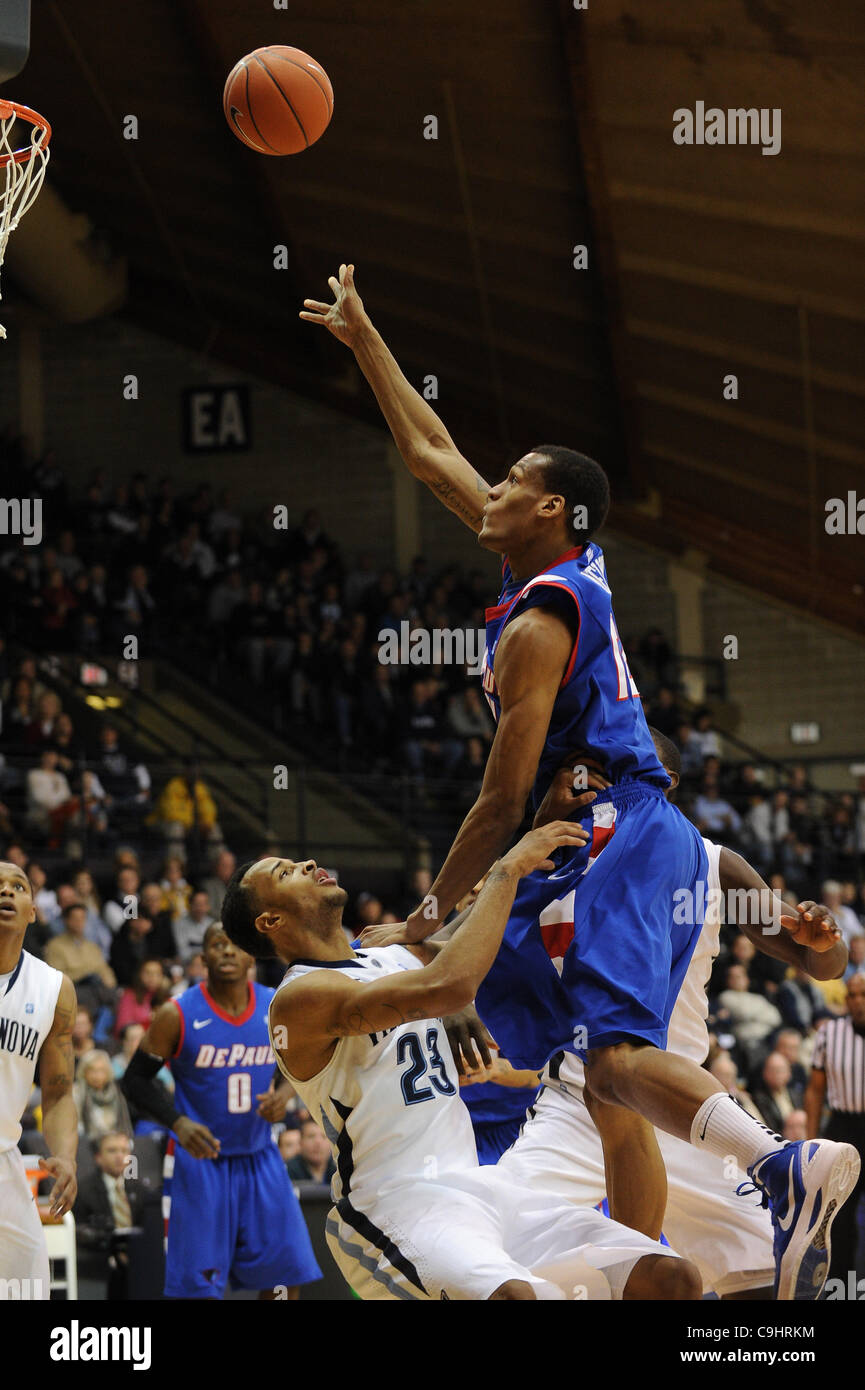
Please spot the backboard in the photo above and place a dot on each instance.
(14, 37)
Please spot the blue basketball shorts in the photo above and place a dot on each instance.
(592, 955)
(235, 1218)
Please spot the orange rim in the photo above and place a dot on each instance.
(10, 108)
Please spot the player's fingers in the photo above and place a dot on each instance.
(312, 318)
(584, 799)
(807, 909)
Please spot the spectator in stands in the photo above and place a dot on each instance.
(185, 806)
(108, 1201)
(691, 749)
(664, 711)
(176, 890)
(751, 1016)
(85, 892)
(379, 713)
(124, 902)
(772, 1097)
(138, 941)
(801, 1003)
(705, 735)
(424, 738)
(856, 964)
(723, 1068)
(714, 816)
(467, 716)
(289, 1143)
(77, 957)
(98, 1100)
(832, 895)
(795, 1127)
(215, 885)
(44, 897)
(126, 782)
(82, 1033)
(313, 1162)
(50, 803)
(789, 1044)
(149, 989)
(190, 926)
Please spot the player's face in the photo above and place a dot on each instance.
(223, 959)
(856, 1001)
(299, 888)
(514, 508)
(16, 901)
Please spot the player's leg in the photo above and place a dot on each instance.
(727, 1235)
(198, 1247)
(272, 1250)
(805, 1184)
(24, 1269)
(585, 1254)
(437, 1240)
(636, 1178)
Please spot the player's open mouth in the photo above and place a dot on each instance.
(8, 909)
(323, 877)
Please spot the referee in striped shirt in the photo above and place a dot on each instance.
(838, 1079)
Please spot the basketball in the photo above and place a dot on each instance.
(278, 100)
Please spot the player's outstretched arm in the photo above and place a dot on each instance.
(140, 1086)
(311, 1015)
(425, 445)
(806, 936)
(531, 658)
(59, 1116)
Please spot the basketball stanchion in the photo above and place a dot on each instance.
(21, 170)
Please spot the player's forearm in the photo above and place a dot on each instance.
(463, 961)
(485, 833)
(139, 1085)
(60, 1126)
(413, 423)
(813, 1105)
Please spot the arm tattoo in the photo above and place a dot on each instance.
(357, 1022)
(451, 498)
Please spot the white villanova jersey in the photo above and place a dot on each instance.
(27, 1003)
(388, 1102)
(687, 1035)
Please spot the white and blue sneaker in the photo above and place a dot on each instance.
(804, 1185)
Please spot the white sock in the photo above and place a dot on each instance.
(725, 1128)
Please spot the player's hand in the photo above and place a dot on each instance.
(471, 1044)
(533, 850)
(574, 786)
(387, 934)
(62, 1194)
(813, 926)
(196, 1139)
(272, 1105)
(346, 316)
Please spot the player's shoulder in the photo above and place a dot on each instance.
(37, 969)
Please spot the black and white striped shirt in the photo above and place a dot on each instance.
(840, 1051)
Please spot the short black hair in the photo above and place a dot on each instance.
(667, 751)
(239, 911)
(581, 481)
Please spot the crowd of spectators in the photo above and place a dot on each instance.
(294, 623)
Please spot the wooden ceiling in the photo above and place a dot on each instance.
(555, 128)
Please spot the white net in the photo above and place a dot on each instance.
(21, 170)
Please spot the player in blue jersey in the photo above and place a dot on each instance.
(231, 1211)
(593, 955)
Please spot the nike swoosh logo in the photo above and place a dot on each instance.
(202, 1022)
(786, 1224)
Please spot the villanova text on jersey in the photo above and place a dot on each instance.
(597, 707)
(18, 1038)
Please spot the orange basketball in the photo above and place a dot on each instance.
(278, 100)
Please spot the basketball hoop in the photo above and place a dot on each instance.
(21, 171)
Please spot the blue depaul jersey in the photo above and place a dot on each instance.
(221, 1065)
(598, 705)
